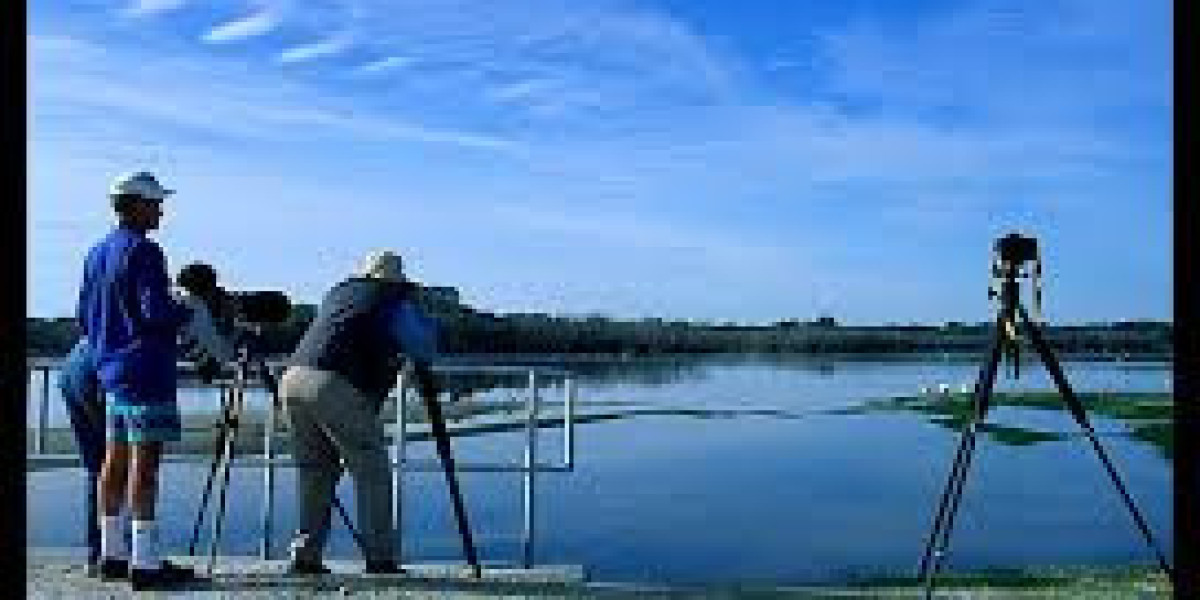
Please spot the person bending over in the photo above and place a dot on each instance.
(333, 389)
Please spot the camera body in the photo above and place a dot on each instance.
(259, 307)
(1016, 249)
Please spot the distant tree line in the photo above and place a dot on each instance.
(481, 332)
(467, 331)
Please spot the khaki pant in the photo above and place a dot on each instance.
(334, 422)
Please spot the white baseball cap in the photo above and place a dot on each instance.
(382, 264)
(142, 184)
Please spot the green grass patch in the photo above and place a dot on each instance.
(1071, 578)
(1148, 415)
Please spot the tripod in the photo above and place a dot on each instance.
(232, 402)
(1012, 252)
(441, 437)
(232, 405)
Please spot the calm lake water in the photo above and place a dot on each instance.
(740, 470)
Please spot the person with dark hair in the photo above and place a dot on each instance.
(209, 336)
(337, 380)
(131, 321)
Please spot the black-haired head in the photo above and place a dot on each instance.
(198, 278)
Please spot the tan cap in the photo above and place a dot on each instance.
(382, 264)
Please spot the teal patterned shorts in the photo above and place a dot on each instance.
(139, 423)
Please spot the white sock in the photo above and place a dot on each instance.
(145, 545)
(112, 537)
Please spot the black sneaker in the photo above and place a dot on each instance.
(304, 567)
(383, 567)
(166, 576)
(109, 569)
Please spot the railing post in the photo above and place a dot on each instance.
(569, 422)
(269, 472)
(43, 412)
(530, 467)
(398, 436)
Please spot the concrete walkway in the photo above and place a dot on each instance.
(56, 576)
(53, 574)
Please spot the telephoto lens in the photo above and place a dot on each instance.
(262, 306)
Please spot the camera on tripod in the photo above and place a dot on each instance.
(250, 307)
(260, 307)
(1010, 255)
(1016, 248)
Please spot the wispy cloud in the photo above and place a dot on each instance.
(252, 25)
(604, 57)
(142, 8)
(256, 105)
(521, 90)
(384, 64)
(315, 50)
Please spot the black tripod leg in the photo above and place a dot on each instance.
(965, 444)
(362, 544)
(940, 533)
(1077, 410)
(227, 456)
(442, 438)
(273, 389)
(982, 405)
(939, 555)
(212, 472)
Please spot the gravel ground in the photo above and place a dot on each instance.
(55, 576)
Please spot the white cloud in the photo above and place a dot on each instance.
(319, 49)
(522, 90)
(602, 56)
(384, 64)
(253, 104)
(246, 27)
(143, 8)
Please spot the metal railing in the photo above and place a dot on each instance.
(537, 380)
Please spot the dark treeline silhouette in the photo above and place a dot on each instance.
(467, 331)
(544, 334)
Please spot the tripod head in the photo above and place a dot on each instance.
(1015, 257)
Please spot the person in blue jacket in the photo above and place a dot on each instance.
(84, 399)
(131, 321)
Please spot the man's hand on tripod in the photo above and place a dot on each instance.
(426, 383)
(208, 370)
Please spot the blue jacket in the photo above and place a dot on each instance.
(127, 313)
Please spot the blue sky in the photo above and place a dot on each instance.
(693, 159)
